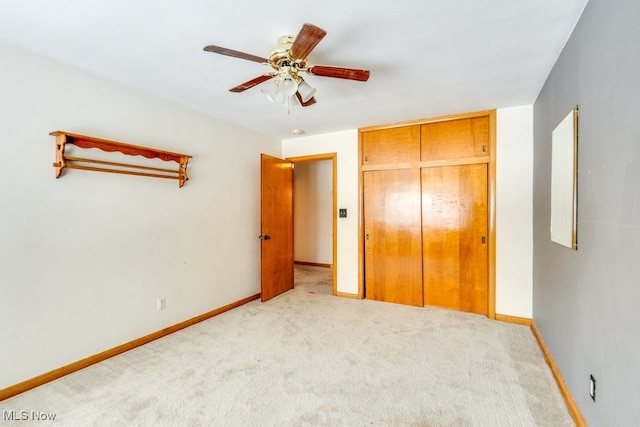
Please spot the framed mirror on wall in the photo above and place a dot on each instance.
(564, 181)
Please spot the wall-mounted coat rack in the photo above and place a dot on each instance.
(82, 141)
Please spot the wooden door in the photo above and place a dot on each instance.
(276, 226)
(391, 146)
(455, 139)
(454, 235)
(392, 236)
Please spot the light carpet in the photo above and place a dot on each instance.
(310, 359)
(314, 279)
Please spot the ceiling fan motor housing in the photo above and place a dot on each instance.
(280, 60)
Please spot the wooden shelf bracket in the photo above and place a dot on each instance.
(64, 161)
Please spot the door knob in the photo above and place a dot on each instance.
(265, 237)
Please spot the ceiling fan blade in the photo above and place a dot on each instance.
(235, 54)
(339, 72)
(251, 83)
(305, 104)
(306, 40)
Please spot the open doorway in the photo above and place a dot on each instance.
(315, 201)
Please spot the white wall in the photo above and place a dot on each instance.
(345, 144)
(313, 212)
(513, 205)
(514, 211)
(83, 258)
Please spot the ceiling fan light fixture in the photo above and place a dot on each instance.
(288, 85)
(271, 90)
(306, 91)
(287, 101)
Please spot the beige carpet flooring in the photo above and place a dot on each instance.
(307, 358)
(313, 279)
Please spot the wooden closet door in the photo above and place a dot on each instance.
(393, 240)
(455, 139)
(391, 146)
(454, 234)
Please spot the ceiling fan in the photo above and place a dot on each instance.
(288, 60)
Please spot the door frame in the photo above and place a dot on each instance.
(334, 174)
(491, 198)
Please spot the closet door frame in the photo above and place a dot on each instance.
(490, 159)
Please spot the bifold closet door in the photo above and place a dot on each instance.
(392, 236)
(454, 235)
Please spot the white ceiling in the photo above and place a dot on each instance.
(427, 58)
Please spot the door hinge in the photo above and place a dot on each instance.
(484, 239)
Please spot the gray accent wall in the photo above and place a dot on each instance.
(586, 303)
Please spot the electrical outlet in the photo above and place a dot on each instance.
(592, 387)
(162, 303)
